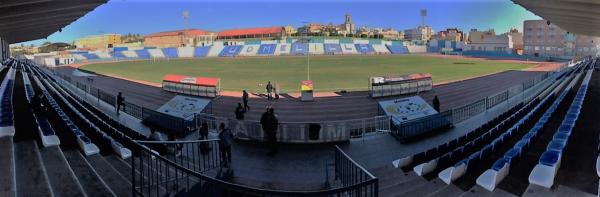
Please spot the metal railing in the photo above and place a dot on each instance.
(156, 175)
(444, 120)
(329, 131)
(197, 155)
(326, 131)
(165, 122)
(472, 109)
(422, 126)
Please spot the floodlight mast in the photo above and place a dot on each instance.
(307, 40)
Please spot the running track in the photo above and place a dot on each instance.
(353, 105)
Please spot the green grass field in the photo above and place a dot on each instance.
(329, 73)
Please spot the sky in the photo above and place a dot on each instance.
(150, 16)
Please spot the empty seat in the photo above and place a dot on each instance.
(364, 48)
(299, 49)
(550, 158)
(231, 50)
(170, 52)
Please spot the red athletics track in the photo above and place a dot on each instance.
(342, 107)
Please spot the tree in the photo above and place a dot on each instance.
(46, 43)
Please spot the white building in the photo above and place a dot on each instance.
(420, 33)
(488, 41)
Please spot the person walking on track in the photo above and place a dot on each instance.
(245, 100)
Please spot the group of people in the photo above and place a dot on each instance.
(272, 91)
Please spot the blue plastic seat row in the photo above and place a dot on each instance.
(515, 151)
(397, 49)
(560, 139)
(365, 48)
(522, 144)
(95, 130)
(481, 138)
(74, 129)
(231, 50)
(486, 143)
(6, 111)
(170, 52)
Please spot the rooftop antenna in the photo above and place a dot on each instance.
(423, 15)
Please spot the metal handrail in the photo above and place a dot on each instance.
(354, 162)
(174, 142)
(250, 189)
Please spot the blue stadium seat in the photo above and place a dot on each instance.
(231, 51)
(118, 54)
(90, 56)
(549, 158)
(364, 48)
(500, 163)
(143, 54)
(201, 51)
(332, 48)
(299, 49)
(267, 49)
(397, 49)
(512, 153)
(170, 52)
(556, 145)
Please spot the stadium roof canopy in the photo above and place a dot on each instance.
(24, 20)
(576, 16)
(187, 32)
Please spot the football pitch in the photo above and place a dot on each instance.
(329, 73)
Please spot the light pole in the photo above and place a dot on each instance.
(307, 40)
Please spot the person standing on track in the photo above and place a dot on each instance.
(436, 103)
(245, 100)
(276, 91)
(269, 90)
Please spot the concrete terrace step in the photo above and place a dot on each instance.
(538, 191)
(117, 183)
(427, 189)
(87, 176)
(120, 165)
(31, 174)
(501, 193)
(62, 178)
(448, 191)
(400, 187)
(476, 191)
(7, 167)
(389, 175)
(566, 191)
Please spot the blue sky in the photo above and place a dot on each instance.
(149, 16)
